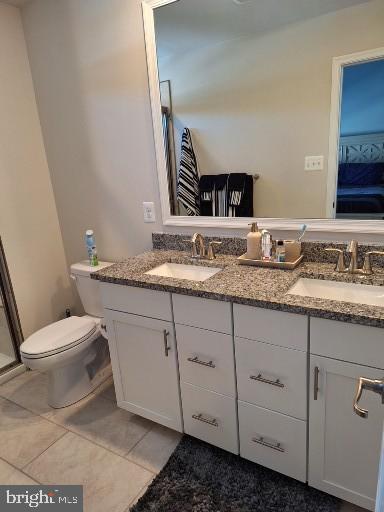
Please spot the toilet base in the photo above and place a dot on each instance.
(61, 395)
(69, 383)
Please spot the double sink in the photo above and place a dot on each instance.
(304, 287)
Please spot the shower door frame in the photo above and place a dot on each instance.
(10, 309)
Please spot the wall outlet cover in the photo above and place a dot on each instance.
(149, 212)
(314, 163)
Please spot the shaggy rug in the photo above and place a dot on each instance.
(201, 478)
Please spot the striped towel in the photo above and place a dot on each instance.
(188, 178)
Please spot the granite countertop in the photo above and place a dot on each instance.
(244, 284)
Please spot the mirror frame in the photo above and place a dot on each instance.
(280, 224)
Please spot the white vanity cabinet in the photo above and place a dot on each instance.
(236, 376)
(344, 449)
(143, 353)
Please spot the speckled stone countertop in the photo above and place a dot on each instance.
(253, 286)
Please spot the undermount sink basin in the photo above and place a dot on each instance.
(345, 292)
(180, 271)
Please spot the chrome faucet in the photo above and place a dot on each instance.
(202, 253)
(352, 250)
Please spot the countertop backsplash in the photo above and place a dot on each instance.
(236, 246)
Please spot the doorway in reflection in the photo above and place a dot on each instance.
(360, 185)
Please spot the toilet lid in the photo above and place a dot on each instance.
(59, 336)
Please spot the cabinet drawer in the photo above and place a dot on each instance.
(272, 377)
(210, 417)
(276, 327)
(349, 342)
(204, 313)
(206, 359)
(138, 301)
(273, 440)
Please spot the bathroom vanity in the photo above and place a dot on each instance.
(241, 364)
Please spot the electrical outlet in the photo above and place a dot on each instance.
(314, 163)
(149, 212)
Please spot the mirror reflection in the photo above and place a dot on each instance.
(245, 88)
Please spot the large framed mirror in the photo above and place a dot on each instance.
(270, 110)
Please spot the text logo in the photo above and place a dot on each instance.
(19, 498)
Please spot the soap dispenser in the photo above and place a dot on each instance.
(254, 243)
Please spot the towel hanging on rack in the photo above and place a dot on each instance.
(188, 178)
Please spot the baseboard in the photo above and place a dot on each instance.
(13, 372)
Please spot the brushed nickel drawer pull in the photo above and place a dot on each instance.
(316, 382)
(260, 378)
(166, 347)
(203, 363)
(200, 417)
(261, 440)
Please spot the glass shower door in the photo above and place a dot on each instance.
(7, 351)
(10, 331)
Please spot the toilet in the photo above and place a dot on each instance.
(74, 351)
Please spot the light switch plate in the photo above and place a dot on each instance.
(149, 212)
(314, 163)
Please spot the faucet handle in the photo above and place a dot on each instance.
(340, 265)
(367, 266)
(211, 249)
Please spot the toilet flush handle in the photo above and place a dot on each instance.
(72, 276)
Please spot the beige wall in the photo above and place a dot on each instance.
(89, 69)
(90, 76)
(29, 225)
(263, 104)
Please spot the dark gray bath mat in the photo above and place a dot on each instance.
(201, 478)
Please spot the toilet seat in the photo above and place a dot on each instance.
(59, 337)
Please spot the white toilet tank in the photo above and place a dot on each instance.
(88, 288)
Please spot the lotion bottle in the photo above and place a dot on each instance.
(254, 243)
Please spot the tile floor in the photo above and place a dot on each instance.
(112, 452)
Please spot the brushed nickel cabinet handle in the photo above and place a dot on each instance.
(263, 442)
(166, 347)
(200, 417)
(260, 378)
(316, 382)
(203, 363)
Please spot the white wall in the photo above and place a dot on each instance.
(261, 104)
(89, 69)
(29, 224)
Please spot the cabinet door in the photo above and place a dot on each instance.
(145, 371)
(344, 449)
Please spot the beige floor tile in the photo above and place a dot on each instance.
(155, 448)
(23, 434)
(101, 421)
(11, 476)
(141, 493)
(28, 390)
(348, 507)
(110, 481)
(107, 390)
